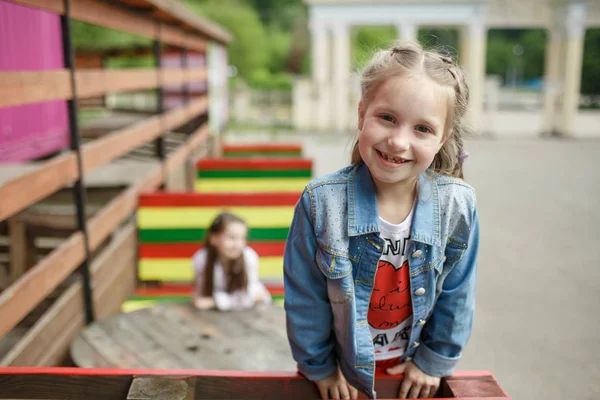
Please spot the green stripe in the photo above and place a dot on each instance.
(294, 173)
(197, 235)
(259, 154)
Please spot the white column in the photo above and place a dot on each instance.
(573, 58)
(464, 48)
(320, 74)
(341, 75)
(407, 31)
(552, 77)
(476, 59)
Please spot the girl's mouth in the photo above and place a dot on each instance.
(390, 159)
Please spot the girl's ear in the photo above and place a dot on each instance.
(361, 115)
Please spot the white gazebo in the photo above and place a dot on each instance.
(332, 89)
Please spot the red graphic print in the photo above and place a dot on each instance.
(390, 301)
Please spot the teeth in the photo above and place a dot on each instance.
(391, 159)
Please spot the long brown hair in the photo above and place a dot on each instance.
(410, 57)
(235, 270)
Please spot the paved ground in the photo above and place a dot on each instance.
(537, 326)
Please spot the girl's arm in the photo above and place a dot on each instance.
(308, 310)
(449, 327)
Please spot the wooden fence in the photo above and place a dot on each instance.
(99, 286)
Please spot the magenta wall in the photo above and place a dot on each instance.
(30, 40)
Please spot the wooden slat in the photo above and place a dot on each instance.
(67, 311)
(23, 191)
(209, 384)
(50, 387)
(115, 144)
(104, 14)
(32, 346)
(24, 87)
(189, 147)
(26, 293)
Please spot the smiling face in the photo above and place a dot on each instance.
(402, 128)
(230, 243)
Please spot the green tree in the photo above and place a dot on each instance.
(366, 40)
(249, 50)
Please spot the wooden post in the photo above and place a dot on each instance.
(22, 247)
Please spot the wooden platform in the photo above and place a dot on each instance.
(176, 336)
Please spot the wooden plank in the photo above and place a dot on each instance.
(22, 87)
(27, 189)
(480, 386)
(161, 388)
(180, 155)
(108, 299)
(122, 246)
(47, 329)
(104, 14)
(27, 292)
(60, 387)
(209, 384)
(117, 143)
(182, 13)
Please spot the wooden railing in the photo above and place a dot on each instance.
(166, 21)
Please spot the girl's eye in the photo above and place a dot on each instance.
(423, 129)
(387, 118)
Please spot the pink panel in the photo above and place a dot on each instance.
(30, 39)
(172, 97)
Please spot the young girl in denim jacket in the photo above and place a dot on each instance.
(380, 261)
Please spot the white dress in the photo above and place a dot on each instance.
(239, 299)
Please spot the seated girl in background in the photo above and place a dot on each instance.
(226, 269)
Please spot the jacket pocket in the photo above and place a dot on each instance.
(338, 270)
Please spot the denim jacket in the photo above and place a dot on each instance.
(330, 260)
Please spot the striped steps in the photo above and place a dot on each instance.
(172, 227)
(252, 175)
(262, 150)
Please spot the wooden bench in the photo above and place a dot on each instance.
(146, 384)
(262, 150)
(252, 175)
(172, 227)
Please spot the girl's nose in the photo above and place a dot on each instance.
(399, 140)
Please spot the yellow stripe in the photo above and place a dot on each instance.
(251, 185)
(201, 217)
(130, 306)
(180, 270)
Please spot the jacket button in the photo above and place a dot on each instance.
(420, 291)
(421, 322)
(417, 254)
(415, 345)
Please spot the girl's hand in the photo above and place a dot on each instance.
(204, 303)
(416, 383)
(336, 387)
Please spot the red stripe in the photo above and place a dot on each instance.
(187, 250)
(266, 148)
(217, 199)
(186, 289)
(272, 375)
(254, 164)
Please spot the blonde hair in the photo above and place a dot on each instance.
(410, 58)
